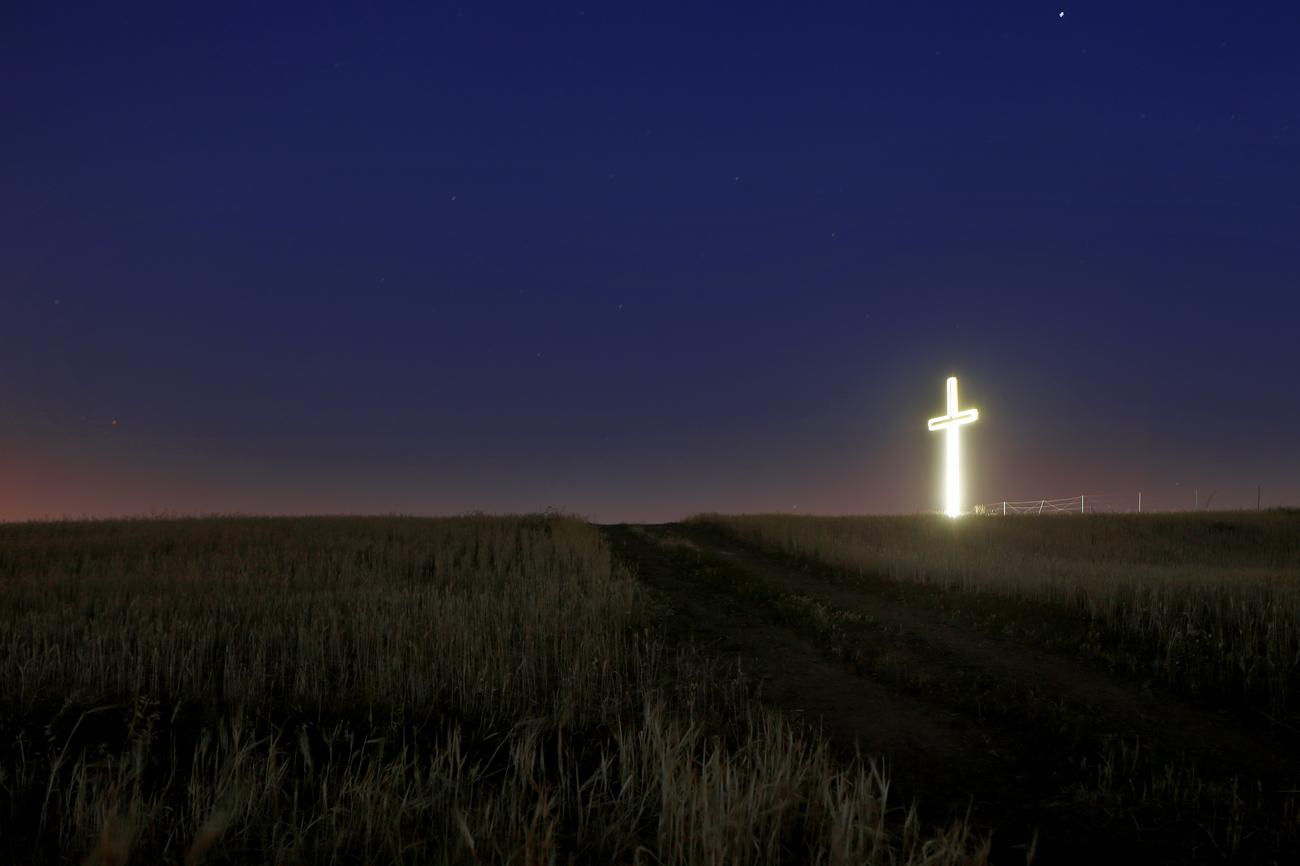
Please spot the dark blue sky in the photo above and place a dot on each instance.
(639, 261)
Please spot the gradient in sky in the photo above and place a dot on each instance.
(636, 261)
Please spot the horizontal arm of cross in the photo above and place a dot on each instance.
(956, 420)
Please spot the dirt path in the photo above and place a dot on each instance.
(933, 749)
(972, 722)
(1113, 705)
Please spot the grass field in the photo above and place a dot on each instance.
(390, 690)
(756, 689)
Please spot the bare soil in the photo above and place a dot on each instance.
(971, 722)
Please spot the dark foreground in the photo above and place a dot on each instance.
(741, 690)
(985, 707)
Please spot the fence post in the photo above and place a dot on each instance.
(1081, 504)
(1004, 508)
(1139, 502)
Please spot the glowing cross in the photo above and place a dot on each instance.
(951, 424)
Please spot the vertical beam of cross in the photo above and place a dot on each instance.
(951, 425)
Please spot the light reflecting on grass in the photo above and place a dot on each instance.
(1209, 602)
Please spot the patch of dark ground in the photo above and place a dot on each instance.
(1034, 745)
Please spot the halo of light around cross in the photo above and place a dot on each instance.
(951, 425)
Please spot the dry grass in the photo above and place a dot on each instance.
(389, 690)
(1209, 602)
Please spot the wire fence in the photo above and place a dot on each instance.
(1087, 503)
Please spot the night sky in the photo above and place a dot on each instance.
(636, 261)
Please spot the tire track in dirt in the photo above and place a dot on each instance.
(1158, 717)
(934, 755)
